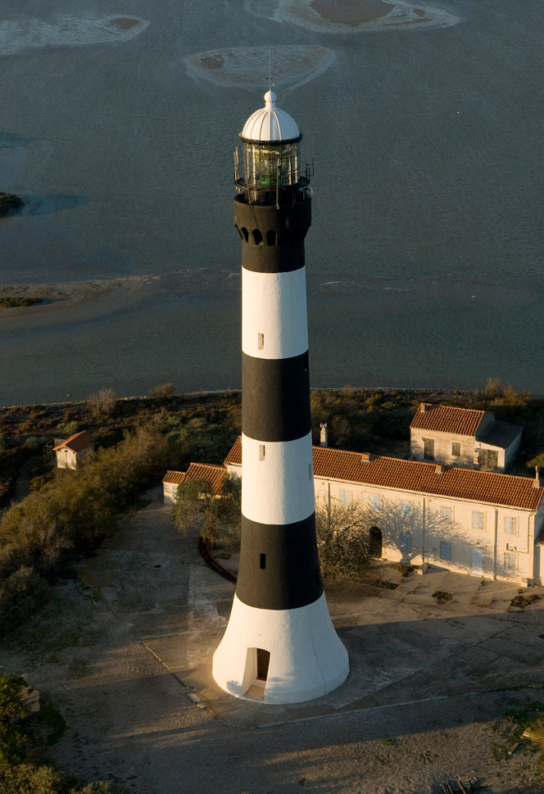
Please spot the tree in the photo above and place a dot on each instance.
(14, 732)
(103, 402)
(343, 538)
(162, 392)
(216, 517)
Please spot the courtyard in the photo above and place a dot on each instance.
(125, 652)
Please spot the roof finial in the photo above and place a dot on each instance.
(270, 96)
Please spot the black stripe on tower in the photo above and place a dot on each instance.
(279, 565)
(273, 239)
(275, 398)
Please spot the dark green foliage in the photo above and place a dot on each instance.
(21, 595)
(9, 202)
(13, 303)
(15, 736)
(30, 779)
(217, 518)
(48, 530)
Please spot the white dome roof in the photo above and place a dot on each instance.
(270, 124)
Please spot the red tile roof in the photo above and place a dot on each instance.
(413, 475)
(212, 472)
(174, 477)
(78, 442)
(448, 419)
(234, 458)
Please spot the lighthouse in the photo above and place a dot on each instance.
(280, 645)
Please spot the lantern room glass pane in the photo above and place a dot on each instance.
(265, 163)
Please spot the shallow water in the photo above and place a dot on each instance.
(425, 255)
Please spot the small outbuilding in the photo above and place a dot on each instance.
(211, 472)
(463, 437)
(72, 452)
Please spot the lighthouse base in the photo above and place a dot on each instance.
(295, 654)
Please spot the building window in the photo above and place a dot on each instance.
(456, 449)
(445, 551)
(406, 543)
(510, 525)
(260, 341)
(262, 451)
(478, 520)
(375, 503)
(406, 508)
(428, 448)
(263, 562)
(509, 561)
(344, 497)
(446, 515)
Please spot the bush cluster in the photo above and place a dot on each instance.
(50, 529)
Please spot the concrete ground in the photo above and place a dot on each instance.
(129, 667)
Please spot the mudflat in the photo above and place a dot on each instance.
(118, 130)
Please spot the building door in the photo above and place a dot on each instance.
(477, 562)
(376, 542)
(263, 660)
(489, 459)
(428, 448)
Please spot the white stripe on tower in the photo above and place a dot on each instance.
(278, 488)
(274, 321)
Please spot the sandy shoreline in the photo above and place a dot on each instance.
(80, 300)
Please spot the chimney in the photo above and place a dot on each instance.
(324, 435)
(366, 457)
(536, 481)
(423, 408)
(439, 470)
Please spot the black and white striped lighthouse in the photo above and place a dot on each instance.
(280, 635)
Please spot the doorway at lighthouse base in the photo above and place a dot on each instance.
(256, 673)
(308, 659)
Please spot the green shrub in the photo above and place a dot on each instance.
(30, 779)
(14, 716)
(21, 595)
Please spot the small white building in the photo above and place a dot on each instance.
(212, 472)
(468, 521)
(72, 452)
(463, 437)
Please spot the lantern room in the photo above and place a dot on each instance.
(269, 169)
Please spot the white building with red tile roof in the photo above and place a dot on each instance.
(463, 437)
(468, 521)
(211, 472)
(72, 452)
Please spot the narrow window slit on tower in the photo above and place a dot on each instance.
(257, 237)
(262, 451)
(245, 233)
(263, 562)
(260, 341)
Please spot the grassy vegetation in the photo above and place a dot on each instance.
(15, 302)
(9, 202)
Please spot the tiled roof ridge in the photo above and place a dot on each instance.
(433, 464)
(211, 465)
(82, 435)
(456, 407)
